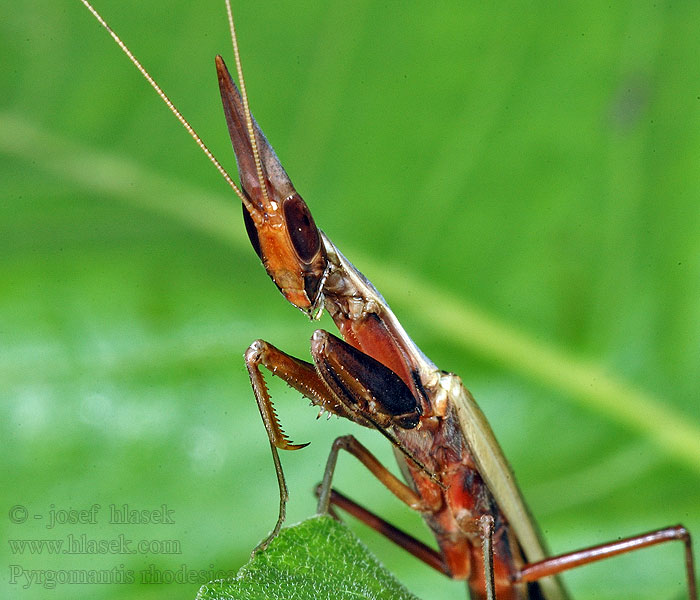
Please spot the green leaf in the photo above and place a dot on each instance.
(315, 559)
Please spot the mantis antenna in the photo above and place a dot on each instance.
(178, 114)
(244, 95)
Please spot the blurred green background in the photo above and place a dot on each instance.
(520, 183)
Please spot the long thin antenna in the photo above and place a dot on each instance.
(246, 108)
(169, 103)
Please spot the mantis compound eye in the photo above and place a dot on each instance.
(252, 232)
(301, 228)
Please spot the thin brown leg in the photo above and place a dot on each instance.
(563, 562)
(284, 496)
(301, 376)
(415, 547)
(486, 534)
(390, 481)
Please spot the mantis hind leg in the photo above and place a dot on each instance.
(570, 560)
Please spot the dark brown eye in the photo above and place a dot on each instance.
(252, 232)
(301, 227)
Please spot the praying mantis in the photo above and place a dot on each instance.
(329, 277)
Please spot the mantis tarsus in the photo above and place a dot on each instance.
(457, 475)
